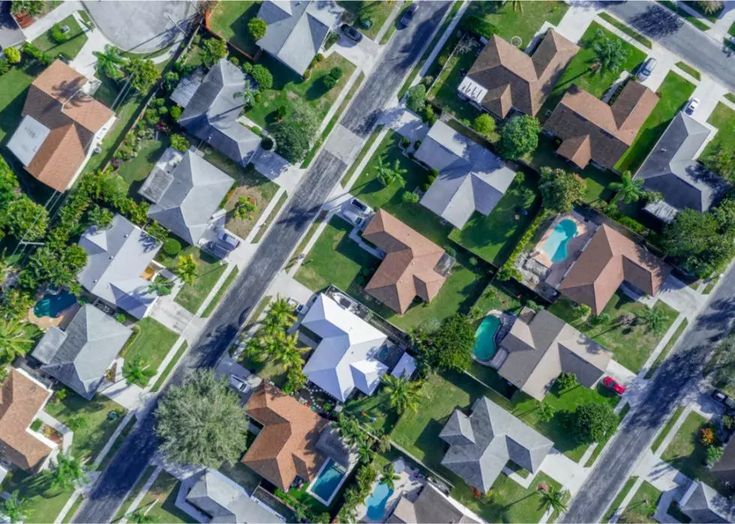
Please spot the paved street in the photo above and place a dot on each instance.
(681, 38)
(137, 451)
(678, 375)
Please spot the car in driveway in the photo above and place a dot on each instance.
(239, 384)
(691, 106)
(407, 15)
(613, 385)
(721, 398)
(351, 33)
(647, 68)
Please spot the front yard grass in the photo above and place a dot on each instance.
(230, 21)
(692, 19)
(673, 94)
(159, 502)
(137, 169)
(625, 28)
(209, 271)
(667, 428)
(723, 118)
(630, 344)
(642, 506)
(70, 48)
(376, 11)
(151, 342)
(509, 20)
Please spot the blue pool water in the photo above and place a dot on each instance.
(327, 482)
(484, 348)
(51, 305)
(556, 243)
(376, 502)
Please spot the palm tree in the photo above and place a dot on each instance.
(387, 174)
(14, 340)
(710, 7)
(629, 189)
(388, 475)
(365, 452)
(609, 53)
(349, 429)
(280, 314)
(138, 371)
(186, 268)
(287, 351)
(402, 394)
(553, 498)
(68, 472)
(15, 508)
(141, 516)
(110, 62)
(653, 318)
(161, 287)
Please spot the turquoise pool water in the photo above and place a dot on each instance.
(377, 500)
(556, 243)
(484, 348)
(328, 480)
(51, 305)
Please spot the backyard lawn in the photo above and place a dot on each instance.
(70, 48)
(375, 11)
(43, 503)
(444, 90)
(230, 21)
(151, 341)
(13, 85)
(642, 506)
(673, 93)
(507, 20)
(135, 170)
(630, 344)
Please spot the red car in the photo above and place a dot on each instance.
(613, 385)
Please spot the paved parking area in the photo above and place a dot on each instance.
(10, 33)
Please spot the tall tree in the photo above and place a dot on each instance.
(68, 472)
(629, 189)
(14, 340)
(519, 136)
(143, 74)
(24, 219)
(110, 62)
(213, 50)
(402, 394)
(560, 189)
(654, 318)
(186, 268)
(15, 508)
(554, 498)
(449, 347)
(257, 28)
(610, 55)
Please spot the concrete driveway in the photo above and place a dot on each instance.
(10, 33)
(141, 27)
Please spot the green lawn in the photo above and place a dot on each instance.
(135, 170)
(631, 344)
(275, 211)
(667, 428)
(158, 502)
(578, 71)
(70, 48)
(376, 11)
(493, 237)
(665, 352)
(444, 91)
(619, 499)
(43, 502)
(209, 271)
(689, 69)
(151, 341)
(13, 85)
(509, 21)
(673, 93)
(642, 506)
(731, 31)
(230, 21)
(723, 118)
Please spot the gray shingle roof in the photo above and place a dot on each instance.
(672, 170)
(703, 504)
(211, 114)
(192, 193)
(496, 437)
(297, 29)
(116, 259)
(80, 355)
(470, 179)
(430, 506)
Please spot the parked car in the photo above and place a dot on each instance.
(216, 249)
(647, 68)
(408, 15)
(230, 241)
(239, 384)
(351, 33)
(691, 106)
(361, 205)
(613, 385)
(723, 399)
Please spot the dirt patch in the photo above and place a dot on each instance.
(242, 227)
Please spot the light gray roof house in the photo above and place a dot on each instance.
(672, 170)
(80, 355)
(480, 445)
(703, 504)
(430, 506)
(471, 178)
(220, 499)
(211, 113)
(116, 259)
(297, 29)
(185, 198)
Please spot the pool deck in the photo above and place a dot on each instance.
(408, 484)
(45, 323)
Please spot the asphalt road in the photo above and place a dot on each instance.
(118, 478)
(683, 39)
(678, 375)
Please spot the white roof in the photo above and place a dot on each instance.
(346, 357)
(405, 368)
(28, 139)
(472, 90)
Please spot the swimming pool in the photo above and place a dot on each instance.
(484, 348)
(377, 500)
(52, 305)
(328, 481)
(556, 243)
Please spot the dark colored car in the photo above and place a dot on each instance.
(613, 385)
(216, 249)
(351, 33)
(723, 399)
(408, 15)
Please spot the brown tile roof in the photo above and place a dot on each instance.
(514, 79)
(286, 446)
(409, 267)
(590, 129)
(21, 398)
(610, 259)
(55, 100)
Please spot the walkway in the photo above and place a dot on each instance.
(577, 19)
(43, 24)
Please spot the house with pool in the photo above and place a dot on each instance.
(295, 446)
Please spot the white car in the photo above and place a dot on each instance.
(239, 384)
(691, 106)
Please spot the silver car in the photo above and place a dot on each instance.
(647, 68)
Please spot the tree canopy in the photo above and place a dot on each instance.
(143, 74)
(257, 28)
(519, 136)
(294, 133)
(449, 347)
(593, 422)
(485, 125)
(560, 189)
(610, 55)
(416, 98)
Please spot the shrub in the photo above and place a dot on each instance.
(175, 112)
(332, 78)
(262, 76)
(247, 67)
(179, 142)
(409, 197)
(405, 142)
(428, 115)
(416, 98)
(257, 28)
(12, 54)
(57, 34)
(35, 53)
(4, 66)
(593, 422)
(234, 60)
(171, 247)
(707, 436)
(485, 125)
(332, 38)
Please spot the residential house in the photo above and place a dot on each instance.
(80, 355)
(212, 106)
(470, 179)
(346, 355)
(702, 503)
(724, 469)
(481, 444)
(294, 442)
(504, 78)
(672, 170)
(609, 259)
(297, 30)
(429, 506)
(61, 127)
(214, 497)
(186, 192)
(593, 131)
(117, 258)
(413, 265)
(538, 349)
(21, 398)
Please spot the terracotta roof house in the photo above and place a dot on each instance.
(413, 265)
(21, 398)
(609, 259)
(481, 444)
(540, 349)
(293, 442)
(504, 78)
(60, 128)
(593, 131)
(431, 505)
